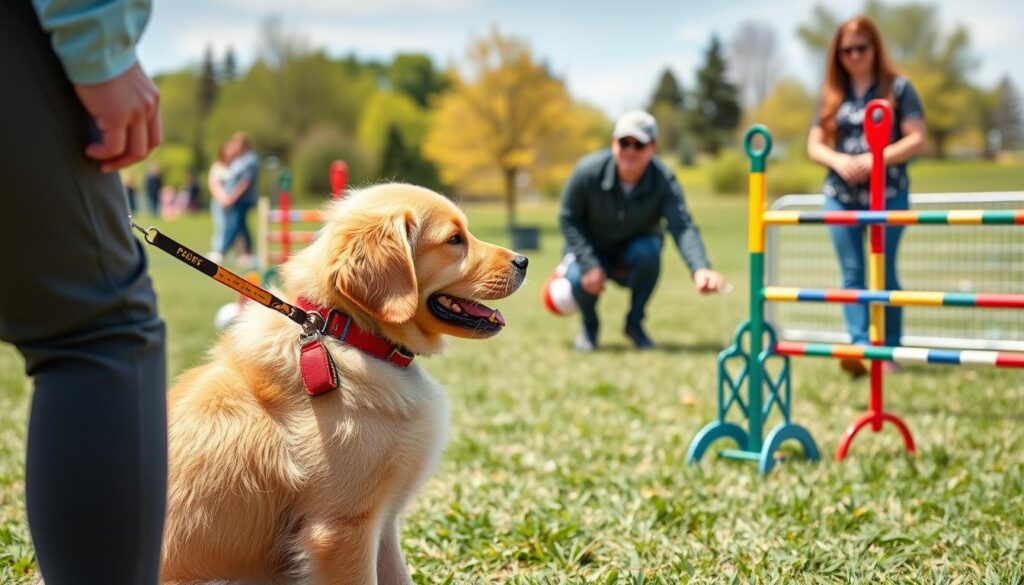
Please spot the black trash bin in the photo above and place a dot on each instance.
(526, 238)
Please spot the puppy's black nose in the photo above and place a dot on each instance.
(520, 262)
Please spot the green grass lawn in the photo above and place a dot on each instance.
(566, 468)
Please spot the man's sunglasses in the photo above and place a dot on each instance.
(861, 49)
(625, 143)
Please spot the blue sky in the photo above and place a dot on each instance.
(610, 53)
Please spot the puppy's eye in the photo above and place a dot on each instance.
(455, 240)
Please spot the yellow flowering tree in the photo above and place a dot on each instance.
(505, 115)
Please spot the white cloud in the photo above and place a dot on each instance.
(192, 41)
(381, 41)
(629, 86)
(692, 33)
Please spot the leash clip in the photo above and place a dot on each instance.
(149, 234)
(312, 328)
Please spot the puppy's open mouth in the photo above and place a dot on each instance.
(466, 313)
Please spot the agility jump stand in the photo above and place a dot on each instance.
(878, 132)
(753, 357)
(285, 236)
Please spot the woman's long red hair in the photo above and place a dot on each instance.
(837, 80)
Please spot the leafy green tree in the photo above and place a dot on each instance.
(716, 113)
(387, 113)
(668, 91)
(414, 75)
(504, 116)
(229, 71)
(598, 126)
(178, 108)
(396, 162)
(207, 90)
(312, 156)
(1005, 117)
(671, 129)
(668, 108)
(787, 111)
(387, 109)
(206, 95)
(289, 90)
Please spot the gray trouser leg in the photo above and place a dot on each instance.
(77, 303)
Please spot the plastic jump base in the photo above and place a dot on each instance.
(750, 446)
(875, 419)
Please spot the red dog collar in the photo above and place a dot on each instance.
(345, 329)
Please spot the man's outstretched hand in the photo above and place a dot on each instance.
(126, 110)
(707, 280)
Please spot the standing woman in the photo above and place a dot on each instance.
(241, 190)
(217, 180)
(858, 71)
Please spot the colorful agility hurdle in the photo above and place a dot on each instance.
(286, 218)
(961, 258)
(759, 352)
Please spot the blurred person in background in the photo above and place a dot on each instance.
(216, 181)
(154, 183)
(130, 192)
(612, 214)
(241, 194)
(857, 71)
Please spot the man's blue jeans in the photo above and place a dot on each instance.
(849, 243)
(636, 266)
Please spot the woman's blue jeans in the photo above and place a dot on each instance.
(235, 226)
(849, 243)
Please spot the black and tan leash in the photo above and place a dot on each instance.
(311, 322)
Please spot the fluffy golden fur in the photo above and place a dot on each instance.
(267, 484)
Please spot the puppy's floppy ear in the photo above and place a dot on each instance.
(374, 267)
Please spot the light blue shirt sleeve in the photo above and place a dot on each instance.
(94, 39)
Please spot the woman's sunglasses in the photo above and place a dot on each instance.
(625, 143)
(860, 49)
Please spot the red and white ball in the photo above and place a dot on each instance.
(556, 294)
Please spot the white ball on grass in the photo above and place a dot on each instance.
(226, 315)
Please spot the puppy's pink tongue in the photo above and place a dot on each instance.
(477, 310)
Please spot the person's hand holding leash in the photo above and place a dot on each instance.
(126, 111)
(707, 280)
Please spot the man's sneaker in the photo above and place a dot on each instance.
(215, 257)
(640, 340)
(854, 367)
(583, 343)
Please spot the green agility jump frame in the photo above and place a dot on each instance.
(753, 357)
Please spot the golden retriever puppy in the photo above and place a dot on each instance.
(268, 484)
